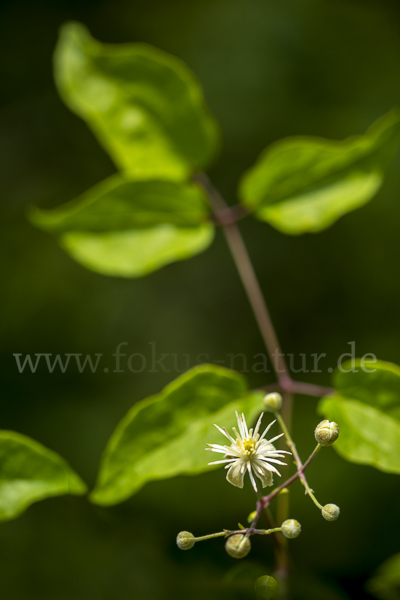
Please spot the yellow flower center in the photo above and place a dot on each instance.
(249, 446)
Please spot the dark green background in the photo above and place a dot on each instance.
(269, 68)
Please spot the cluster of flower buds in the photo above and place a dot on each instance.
(238, 545)
(253, 453)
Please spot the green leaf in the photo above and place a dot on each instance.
(304, 184)
(379, 387)
(367, 435)
(30, 472)
(367, 410)
(129, 228)
(166, 435)
(145, 107)
(386, 582)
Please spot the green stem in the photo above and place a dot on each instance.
(285, 484)
(275, 530)
(282, 559)
(209, 537)
(297, 458)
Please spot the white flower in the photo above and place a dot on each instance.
(249, 452)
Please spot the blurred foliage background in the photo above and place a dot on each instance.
(269, 68)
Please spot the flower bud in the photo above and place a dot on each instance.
(291, 528)
(273, 402)
(251, 516)
(326, 432)
(330, 512)
(238, 545)
(266, 587)
(185, 540)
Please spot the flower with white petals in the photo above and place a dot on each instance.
(249, 452)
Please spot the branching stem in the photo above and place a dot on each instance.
(267, 499)
(293, 448)
(227, 217)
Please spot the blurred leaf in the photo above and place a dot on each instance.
(30, 472)
(367, 435)
(304, 184)
(166, 435)
(130, 228)
(379, 388)
(119, 203)
(136, 253)
(367, 410)
(385, 584)
(145, 107)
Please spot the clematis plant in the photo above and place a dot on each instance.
(252, 453)
(148, 112)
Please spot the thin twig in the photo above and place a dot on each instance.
(308, 389)
(249, 280)
(299, 387)
(230, 214)
(285, 484)
(292, 446)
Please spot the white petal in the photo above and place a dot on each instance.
(272, 460)
(219, 446)
(273, 454)
(236, 473)
(276, 438)
(236, 433)
(224, 432)
(220, 462)
(263, 475)
(253, 481)
(216, 450)
(258, 425)
(240, 424)
(245, 425)
(268, 466)
(267, 429)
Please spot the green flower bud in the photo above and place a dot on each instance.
(251, 516)
(326, 432)
(238, 545)
(185, 540)
(266, 587)
(330, 512)
(291, 528)
(273, 402)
